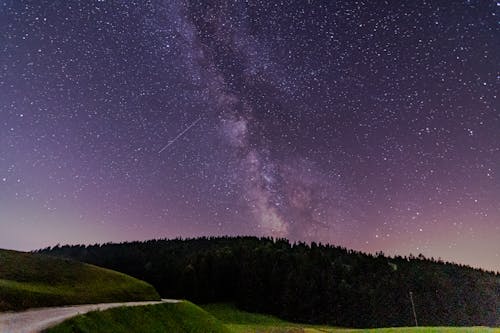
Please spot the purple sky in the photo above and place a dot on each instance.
(368, 124)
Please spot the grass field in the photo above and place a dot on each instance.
(242, 322)
(33, 280)
(181, 317)
(186, 317)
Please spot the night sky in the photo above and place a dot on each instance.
(372, 125)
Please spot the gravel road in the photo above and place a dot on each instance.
(35, 320)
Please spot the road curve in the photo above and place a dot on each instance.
(36, 320)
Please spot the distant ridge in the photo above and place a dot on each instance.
(306, 283)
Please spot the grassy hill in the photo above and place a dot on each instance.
(181, 317)
(186, 317)
(34, 280)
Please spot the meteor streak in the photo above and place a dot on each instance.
(178, 136)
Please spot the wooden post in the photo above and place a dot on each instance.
(413, 307)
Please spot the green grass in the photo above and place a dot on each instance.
(33, 280)
(186, 317)
(183, 317)
(244, 322)
(426, 330)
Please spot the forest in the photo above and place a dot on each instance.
(309, 283)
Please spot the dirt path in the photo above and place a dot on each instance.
(35, 320)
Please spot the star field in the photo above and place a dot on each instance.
(368, 124)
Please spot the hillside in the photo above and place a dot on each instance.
(318, 284)
(33, 280)
(245, 322)
(181, 317)
(238, 321)
(186, 317)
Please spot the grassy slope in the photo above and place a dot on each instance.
(186, 317)
(181, 317)
(242, 322)
(33, 280)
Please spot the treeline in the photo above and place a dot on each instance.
(305, 283)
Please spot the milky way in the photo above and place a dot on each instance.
(368, 124)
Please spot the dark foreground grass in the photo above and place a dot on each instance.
(478, 329)
(186, 317)
(183, 317)
(33, 280)
(241, 321)
(244, 322)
